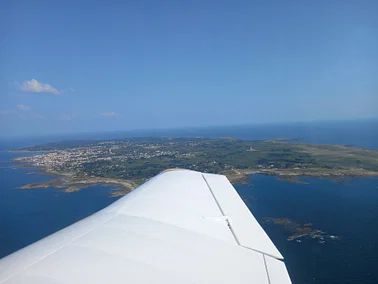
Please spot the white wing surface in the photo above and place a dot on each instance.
(180, 227)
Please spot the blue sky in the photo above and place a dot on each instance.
(71, 66)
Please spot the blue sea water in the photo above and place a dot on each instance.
(349, 211)
(361, 133)
(346, 210)
(29, 215)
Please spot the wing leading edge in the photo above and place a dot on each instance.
(180, 227)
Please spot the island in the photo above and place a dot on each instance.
(300, 232)
(127, 163)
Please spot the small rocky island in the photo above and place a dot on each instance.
(300, 232)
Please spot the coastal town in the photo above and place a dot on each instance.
(123, 159)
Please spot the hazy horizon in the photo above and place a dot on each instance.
(157, 131)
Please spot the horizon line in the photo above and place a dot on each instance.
(187, 128)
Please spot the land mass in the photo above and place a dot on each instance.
(126, 163)
(72, 184)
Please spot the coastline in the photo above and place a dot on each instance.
(70, 183)
(242, 176)
(28, 151)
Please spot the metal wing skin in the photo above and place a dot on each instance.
(179, 227)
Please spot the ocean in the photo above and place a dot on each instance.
(28, 215)
(348, 210)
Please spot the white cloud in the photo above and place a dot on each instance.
(112, 113)
(11, 113)
(24, 107)
(36, 87)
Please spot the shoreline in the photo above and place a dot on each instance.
(70, 183)
(75, 184)
(238, 176)
(28, 151)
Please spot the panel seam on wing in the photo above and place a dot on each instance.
(106, 224)
(266, 269)
(264, 253)
(166, 224)
(221, 210)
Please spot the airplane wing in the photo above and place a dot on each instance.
(179, 227)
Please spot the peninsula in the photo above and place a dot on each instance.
(127, 163)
